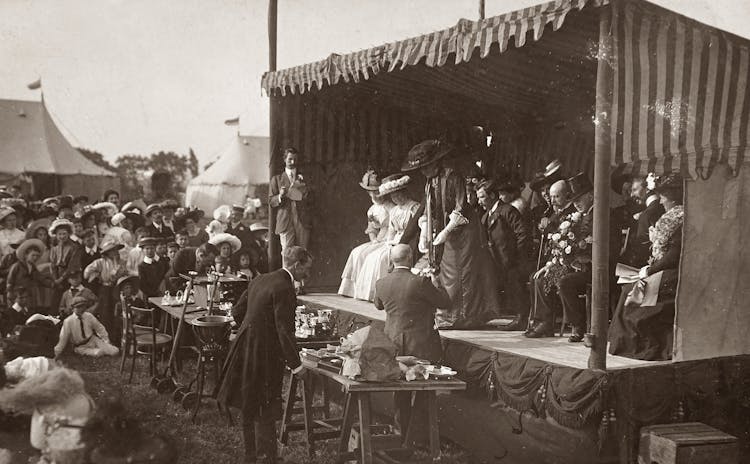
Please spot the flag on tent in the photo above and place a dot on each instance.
(37, 84)
(233, 121)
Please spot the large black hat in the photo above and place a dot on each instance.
(579, 185)
(669, 182)
(425, 153)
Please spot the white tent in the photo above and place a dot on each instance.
(237, 172)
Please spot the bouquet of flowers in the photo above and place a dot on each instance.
(566, 246)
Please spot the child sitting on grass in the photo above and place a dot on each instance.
(83, 331)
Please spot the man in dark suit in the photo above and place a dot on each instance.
(508, 239)
(157, 228)
(190, 259)
(410, 303)
(252, 376)
(289, 196)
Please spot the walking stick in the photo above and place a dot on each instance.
(538, 263)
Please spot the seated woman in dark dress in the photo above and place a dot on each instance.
(646, 332)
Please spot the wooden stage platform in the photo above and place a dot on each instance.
(553, 350)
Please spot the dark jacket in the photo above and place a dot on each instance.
(87, 259)
(283, 208)
(64, 260)
(151, 276)
(183, 262)
(164, 233)
(507, 236)
(648, 218)
(410, 302)
(31, 279)
(252, 376)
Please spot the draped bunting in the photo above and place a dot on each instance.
(460, 40)
(681, 98)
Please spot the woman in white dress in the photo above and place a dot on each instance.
(377, 230)
(376, 263)
(9, 232)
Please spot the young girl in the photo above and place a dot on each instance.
(25, 274)
(107, 270)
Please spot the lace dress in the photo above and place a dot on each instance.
(378, 217)
(376, 262)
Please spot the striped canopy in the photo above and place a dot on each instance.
(680, 100)
(679, 97)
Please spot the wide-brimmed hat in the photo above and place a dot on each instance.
(548, 176)
(668, 182)
(153, 207)
(222, 213)
(128, 278)
(370, 180)
(258, 226)
(425, 153)
(42, 223)
(195, 215)
(579, 184)
(23, 248)
(5, 194)
(6, 211)
(394, 183)
(57, 223)
(506, 186)
(238, 208)
(225, 237)
(110, 245)
(109, 208)
(137, 206)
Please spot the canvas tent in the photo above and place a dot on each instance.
(32, 146)
(237, 172)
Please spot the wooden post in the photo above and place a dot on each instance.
(274, 246)
(481, 10)
(602, 160)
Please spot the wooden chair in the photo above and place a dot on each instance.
(142, 339)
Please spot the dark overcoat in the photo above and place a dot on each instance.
(283, 207)
(252, 376)
(410, 302)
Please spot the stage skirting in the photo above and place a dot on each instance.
(534, 400)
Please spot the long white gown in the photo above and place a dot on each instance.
(376, 262)
(377, 222)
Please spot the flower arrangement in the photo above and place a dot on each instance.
(566, 246)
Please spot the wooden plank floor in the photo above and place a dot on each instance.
(555, 350)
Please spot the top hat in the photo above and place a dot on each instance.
(370, 180)
(394, 183)
(425, 153)
(579, 185)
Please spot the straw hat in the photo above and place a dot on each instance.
(6, 211)
(222, 237)
(111, 246)
(258, 226)
(548, 176)
(425, 153)
(153, 207)
(394, 183)
(109, 208)
(57, 223)
(128, 278)
(42, 223)
(23, 248)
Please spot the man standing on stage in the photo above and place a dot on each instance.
(290, 199)
(252, 376)
(508, 240)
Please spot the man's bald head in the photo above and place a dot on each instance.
(559, 193)
(401, 255)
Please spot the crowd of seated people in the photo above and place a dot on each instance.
(539, 236)
(66, 262)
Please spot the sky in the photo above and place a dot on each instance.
(139, 76)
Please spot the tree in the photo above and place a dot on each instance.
(193, 163)
(97, 158)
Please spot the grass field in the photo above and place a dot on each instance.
(209, 440)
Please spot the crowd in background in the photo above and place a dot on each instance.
(67, 257)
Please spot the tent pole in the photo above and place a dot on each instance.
(481, 10)
(274, 246)
(602, 159)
